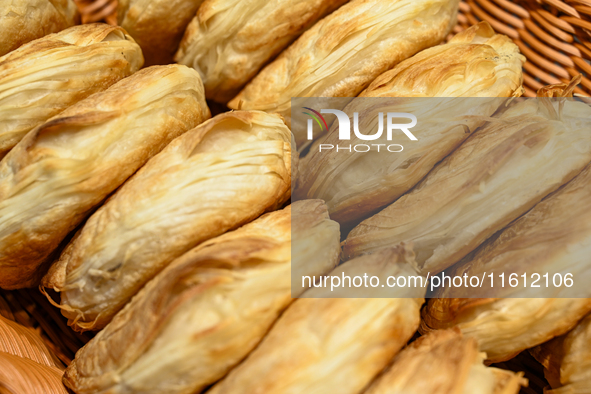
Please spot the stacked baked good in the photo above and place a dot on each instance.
(175, 235)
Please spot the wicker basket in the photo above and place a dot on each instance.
(554, 35)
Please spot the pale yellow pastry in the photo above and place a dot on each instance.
(229, 41)
(216, 177)
(315, 242)
(554, 238)
(22, 21)
(499, 173)
(567, 360)
(445, 362)
(65, 167)
(156, 25)
(323, 344)
(199, 317)
(475, 63)
(19, 375)
(343, 53)
(45, 76)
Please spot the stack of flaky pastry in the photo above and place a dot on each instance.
(178, 236)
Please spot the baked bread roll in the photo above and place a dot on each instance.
(63, 168)
(322, 342)
(554, 237)
(344, 52)
(198, 318)
(156, 25)
(315, 242)
(475, 63)
(22, 21)
(216, 177)
(19, 375)
(445, 362)
(229, 41)
(567, 360)
(46, 76)
(495, 176)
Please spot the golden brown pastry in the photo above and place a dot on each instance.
(554, 237)
(341, 54)
(496, 175)
(156, 25)
(63, 168)
(199, 317)
(315, 242)
(445, 362)
(475, 63)
(44, 77)
(229, 41)
(321, 343)
(24, 342)
(567, 360)
(19, 375)
(22, 21)
(216, 177)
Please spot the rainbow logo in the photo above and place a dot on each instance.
(317, 117)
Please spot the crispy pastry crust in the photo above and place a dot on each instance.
(44, 77)
(445, 362)
(315, 242)
(157, 25)
(198, 318)
(68, 165)
(496, 175)
(320, 343)
(555, 236)
(229, 41)
(341, 54)
(475, 63)
(567, 360)
(22, 21)
(216, 177)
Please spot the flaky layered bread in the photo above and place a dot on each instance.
(475, 63)
(505, 327)
(315, 241)
(22, 21)
(322, 344)
(554, 237)
(44, 77)
(22, 375)
(229, 41)
(68, 165)
(216, 177)
(344, 52)
(199, 317)
(25, 342)
(156, 25)
(445, 362)
(567, 360)
(496, 175)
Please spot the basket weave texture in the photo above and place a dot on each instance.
(554, 36)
